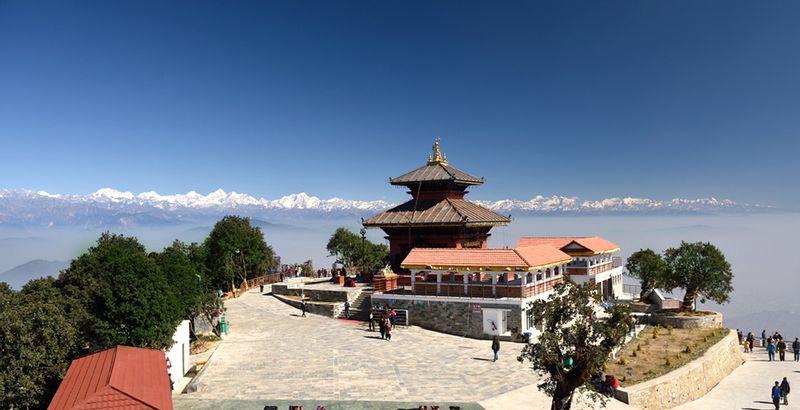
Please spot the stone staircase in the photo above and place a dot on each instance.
(359, 308)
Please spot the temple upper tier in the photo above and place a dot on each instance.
(437, 215)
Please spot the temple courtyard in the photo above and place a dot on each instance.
(273, 356)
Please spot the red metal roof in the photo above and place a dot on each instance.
(122, 377)
(593, 244)
(484, 259)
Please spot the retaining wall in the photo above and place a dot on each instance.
(690, 382)
(710, 321)
(320, 295)
(453, 317)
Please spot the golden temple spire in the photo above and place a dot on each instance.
(438, 157)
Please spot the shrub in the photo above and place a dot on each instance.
(667, 362)
(622, 361)
(639, 347)
(669, 330)
(688, 349)
(634, 354)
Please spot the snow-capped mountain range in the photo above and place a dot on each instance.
(110, 207)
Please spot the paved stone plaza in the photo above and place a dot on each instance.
(274, 354)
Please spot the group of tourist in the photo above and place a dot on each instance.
(773, 344)
(385, 318)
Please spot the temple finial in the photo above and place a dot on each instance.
(438, 157)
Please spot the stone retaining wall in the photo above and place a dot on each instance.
(321, 295)
(690, 382)
(710, 321)
(452, 317)
(322, 309)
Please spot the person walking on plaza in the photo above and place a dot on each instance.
(261, 285)
(347, 309)
(785, 391)
(747, 346)
(781, 349)
(303, 307)
(763, 337)
(392, 317)
(776, 396)
(740, 335)
(388, 330)
(382, 327)
(796, 349)
(371, 321)
(771, 350)
(495, 347)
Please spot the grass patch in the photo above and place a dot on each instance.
(203, 343)
(658, 351)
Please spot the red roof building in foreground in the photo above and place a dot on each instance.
(125, 377)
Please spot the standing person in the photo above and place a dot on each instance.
(495, 347)
(781, 349)
(776, 396)
(771, 351)
(747, 346)
(739, 335)
(752, 338)
(347, 309)
(371, 321)
(796, 348)
(261, 285)
(785, 391)
(382, 327)
(388, 330)
(303, 307)
(392, 317)
(763, 337)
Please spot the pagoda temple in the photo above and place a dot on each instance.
(437, 215)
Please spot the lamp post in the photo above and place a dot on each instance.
(363, 238)
(244, 268)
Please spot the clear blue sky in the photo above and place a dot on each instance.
(594, 99)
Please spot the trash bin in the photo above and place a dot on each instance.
(223, 325)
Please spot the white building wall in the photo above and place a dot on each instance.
(179, 353)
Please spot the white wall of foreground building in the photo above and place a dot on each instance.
(178, 355)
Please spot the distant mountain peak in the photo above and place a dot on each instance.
(110, 207)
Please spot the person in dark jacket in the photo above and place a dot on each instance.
(796, 348)
(785, 391)
(495, 347)
(382, 327)
(347, 310)
(303, 307)
(781, 345)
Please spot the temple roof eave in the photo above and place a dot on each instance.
(483, 224)
(485, 268)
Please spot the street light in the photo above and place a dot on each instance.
(244, 268)
(363, 238)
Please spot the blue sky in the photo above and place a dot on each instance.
(593, 99)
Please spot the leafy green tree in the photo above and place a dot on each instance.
(573, 329)
(701, 270)
(648, 267)
(185, 270)
(349, 249)
(37, 342)
(308, 268)
(120, 295)
(225, 264)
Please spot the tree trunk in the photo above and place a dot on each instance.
(562, 402)
(688, 300)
